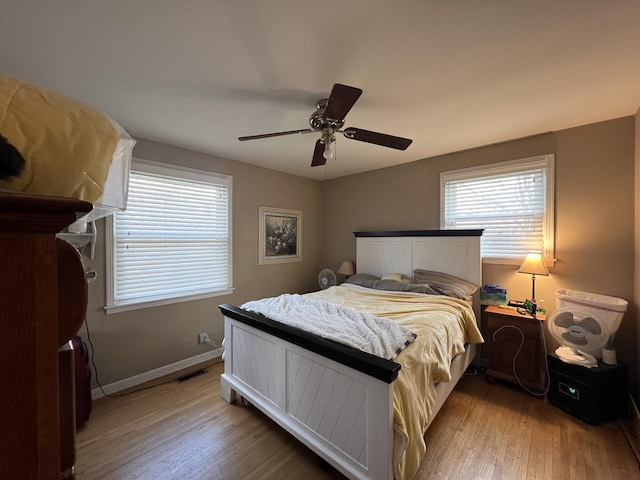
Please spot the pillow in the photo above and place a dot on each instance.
(358, 278)
(398, 277)
(446, 284)
(396, 286)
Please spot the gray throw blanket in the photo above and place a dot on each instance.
(379, 336)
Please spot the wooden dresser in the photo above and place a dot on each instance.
(31, 285)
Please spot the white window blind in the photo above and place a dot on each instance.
(512, 202)
(173, 241)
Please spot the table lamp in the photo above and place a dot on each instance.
(534, 265)
(347, 268)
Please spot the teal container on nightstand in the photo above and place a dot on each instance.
(493, 295)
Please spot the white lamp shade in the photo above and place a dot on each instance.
(534, 264)
(347, 268)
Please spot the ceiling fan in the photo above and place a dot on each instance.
(329, 119)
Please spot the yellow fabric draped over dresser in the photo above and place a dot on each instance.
(67, 146)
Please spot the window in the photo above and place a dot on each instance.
(173, 243)
(511, 201)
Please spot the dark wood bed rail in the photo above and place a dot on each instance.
(380, 368)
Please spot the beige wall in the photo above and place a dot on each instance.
(134, 342)
(594, 212)
(594, 236)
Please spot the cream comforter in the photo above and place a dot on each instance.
(443, 325)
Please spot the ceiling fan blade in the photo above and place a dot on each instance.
(318, 154)
(376, 138)
(276, 134)
(341, 100)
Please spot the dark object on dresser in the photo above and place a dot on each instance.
(11, 160)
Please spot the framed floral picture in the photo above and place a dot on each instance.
(280, 235)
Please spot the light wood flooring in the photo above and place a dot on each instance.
(484, 431)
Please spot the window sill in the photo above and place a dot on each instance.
(514, 261)
(109, 309)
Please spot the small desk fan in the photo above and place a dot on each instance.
(326, 278)
(579, 332)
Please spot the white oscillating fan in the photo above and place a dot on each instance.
(326, 278)
(579, 332)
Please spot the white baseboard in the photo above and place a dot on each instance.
(153, 374)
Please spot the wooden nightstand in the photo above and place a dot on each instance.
(508, 334)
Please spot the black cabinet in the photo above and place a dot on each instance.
(595, 395)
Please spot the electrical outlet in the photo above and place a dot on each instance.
(203, 338)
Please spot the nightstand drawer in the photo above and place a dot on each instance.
(513, 326)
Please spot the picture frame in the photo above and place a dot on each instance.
(280, 233)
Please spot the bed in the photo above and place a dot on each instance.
(337, 400)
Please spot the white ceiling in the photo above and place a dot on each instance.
(451, 75)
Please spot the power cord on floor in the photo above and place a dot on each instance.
(546, 364)
(473, 370)
(113, 395)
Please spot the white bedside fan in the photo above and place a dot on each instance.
(579, 332)
(326, 278)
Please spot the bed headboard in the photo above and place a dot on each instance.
(456, 252)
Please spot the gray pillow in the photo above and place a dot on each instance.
(446, 284)
(358, 278)
(393, 285)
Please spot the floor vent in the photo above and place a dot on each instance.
(189, 376)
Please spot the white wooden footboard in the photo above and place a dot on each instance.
(338, 401)
(342, 414)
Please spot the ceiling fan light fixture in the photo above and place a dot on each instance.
(329, 149)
